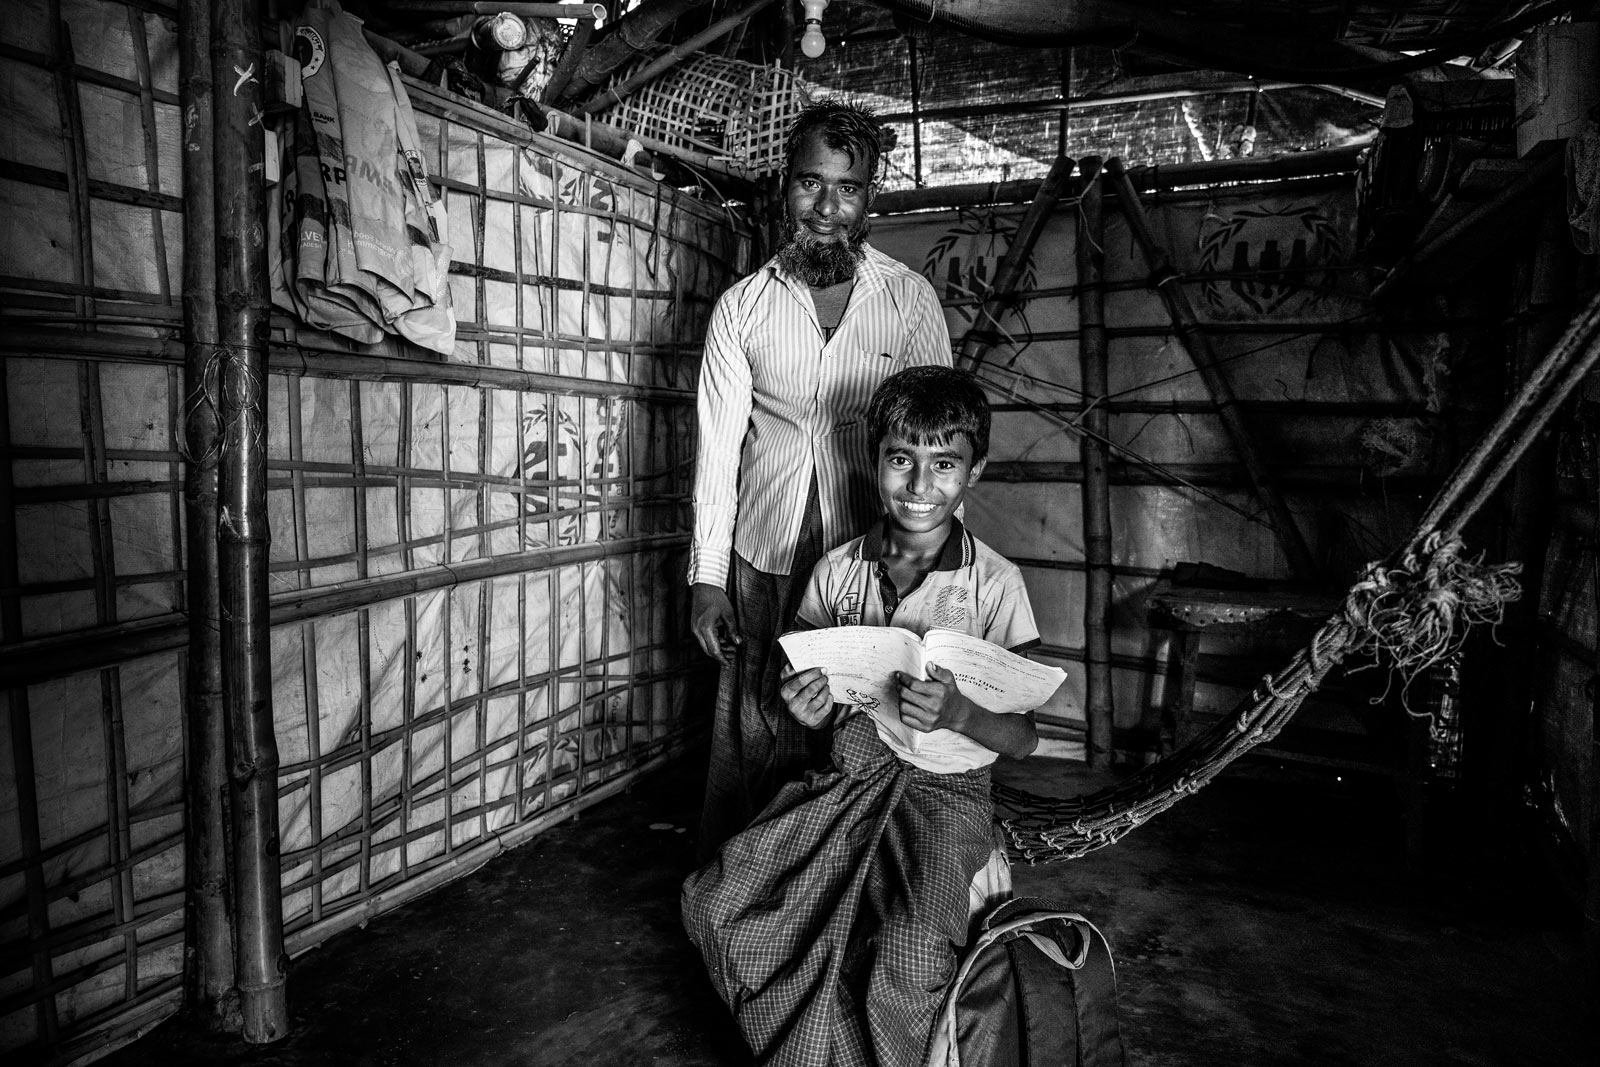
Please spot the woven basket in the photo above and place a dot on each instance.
(729, 110)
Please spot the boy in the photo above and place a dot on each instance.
(830, 925)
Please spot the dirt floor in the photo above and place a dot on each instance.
(1269, 919)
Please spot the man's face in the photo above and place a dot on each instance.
(825, 213)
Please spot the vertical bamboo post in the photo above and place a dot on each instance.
(916, 111)
(1501, 734)
(571, 55)
(1165, 280)
(1096, 454)
(783, 27)
(242, 535)
(209, 958)
(973, 346)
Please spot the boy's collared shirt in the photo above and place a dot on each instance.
(778, 404)
(972, 588)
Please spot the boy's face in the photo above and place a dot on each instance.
(921, 484)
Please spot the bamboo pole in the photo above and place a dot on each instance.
(1349, 477)
(475, 856)
(916, 111)
(209, 964)
(624, 39)
(1323, 161)
(677, 54)
(587, 12)
(1165, 280)
(1500, 725)
(19, 716)
(1573, 357)
(1099, 708)
(571, 56)
(411, 62)
(783, 30)
(636, 150)
(973, 346)
(242, 534)
(1521, 193)
(1080, 103)
(52, 657)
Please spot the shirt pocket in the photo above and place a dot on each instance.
(884, 342)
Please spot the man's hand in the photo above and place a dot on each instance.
(934, 704)
(807, 696)
(711, 619)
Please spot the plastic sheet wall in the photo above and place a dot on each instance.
(469, 635)
(1326, 392)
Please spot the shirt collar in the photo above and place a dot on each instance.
(870, 274)
(956, 553)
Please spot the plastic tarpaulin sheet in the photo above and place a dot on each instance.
(1271, 273)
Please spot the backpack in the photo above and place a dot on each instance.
(1036, 988)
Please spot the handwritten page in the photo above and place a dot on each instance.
(990, 676)
(861, 661)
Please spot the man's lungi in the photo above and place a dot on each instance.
(756, 745)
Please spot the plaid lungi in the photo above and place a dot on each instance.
(831, 925)
(756, 745)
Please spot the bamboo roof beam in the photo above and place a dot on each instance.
(586, 12)
(1082, 103)
(1156, 177)
(677, 54)
(630, 35)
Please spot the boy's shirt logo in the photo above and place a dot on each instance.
(950, 608)
(848, 610)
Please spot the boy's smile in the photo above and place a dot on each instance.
(921, 483)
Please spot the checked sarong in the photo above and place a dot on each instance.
(831, 925)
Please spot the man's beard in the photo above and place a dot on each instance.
(821, 263)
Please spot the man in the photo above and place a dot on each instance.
(793, 354)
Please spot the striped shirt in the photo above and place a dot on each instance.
(777, 405)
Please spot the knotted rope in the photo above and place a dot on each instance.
(1412, 611)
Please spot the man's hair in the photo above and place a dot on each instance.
(845, 127)
(931, 405)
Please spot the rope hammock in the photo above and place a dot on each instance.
(1414, 609)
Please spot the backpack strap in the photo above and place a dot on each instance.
(1094, 987)
(1092, 974)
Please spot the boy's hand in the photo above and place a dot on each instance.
(807, 696)
(711, 619)
(935, 704)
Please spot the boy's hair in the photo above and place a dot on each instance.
(931, 404)
(845, 127)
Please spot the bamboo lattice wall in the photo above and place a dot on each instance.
(1358, 414)
(463, 645)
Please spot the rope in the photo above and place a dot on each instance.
(1414, 610)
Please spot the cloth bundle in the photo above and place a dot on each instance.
(359, 234)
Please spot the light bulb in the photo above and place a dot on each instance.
(812, 43)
